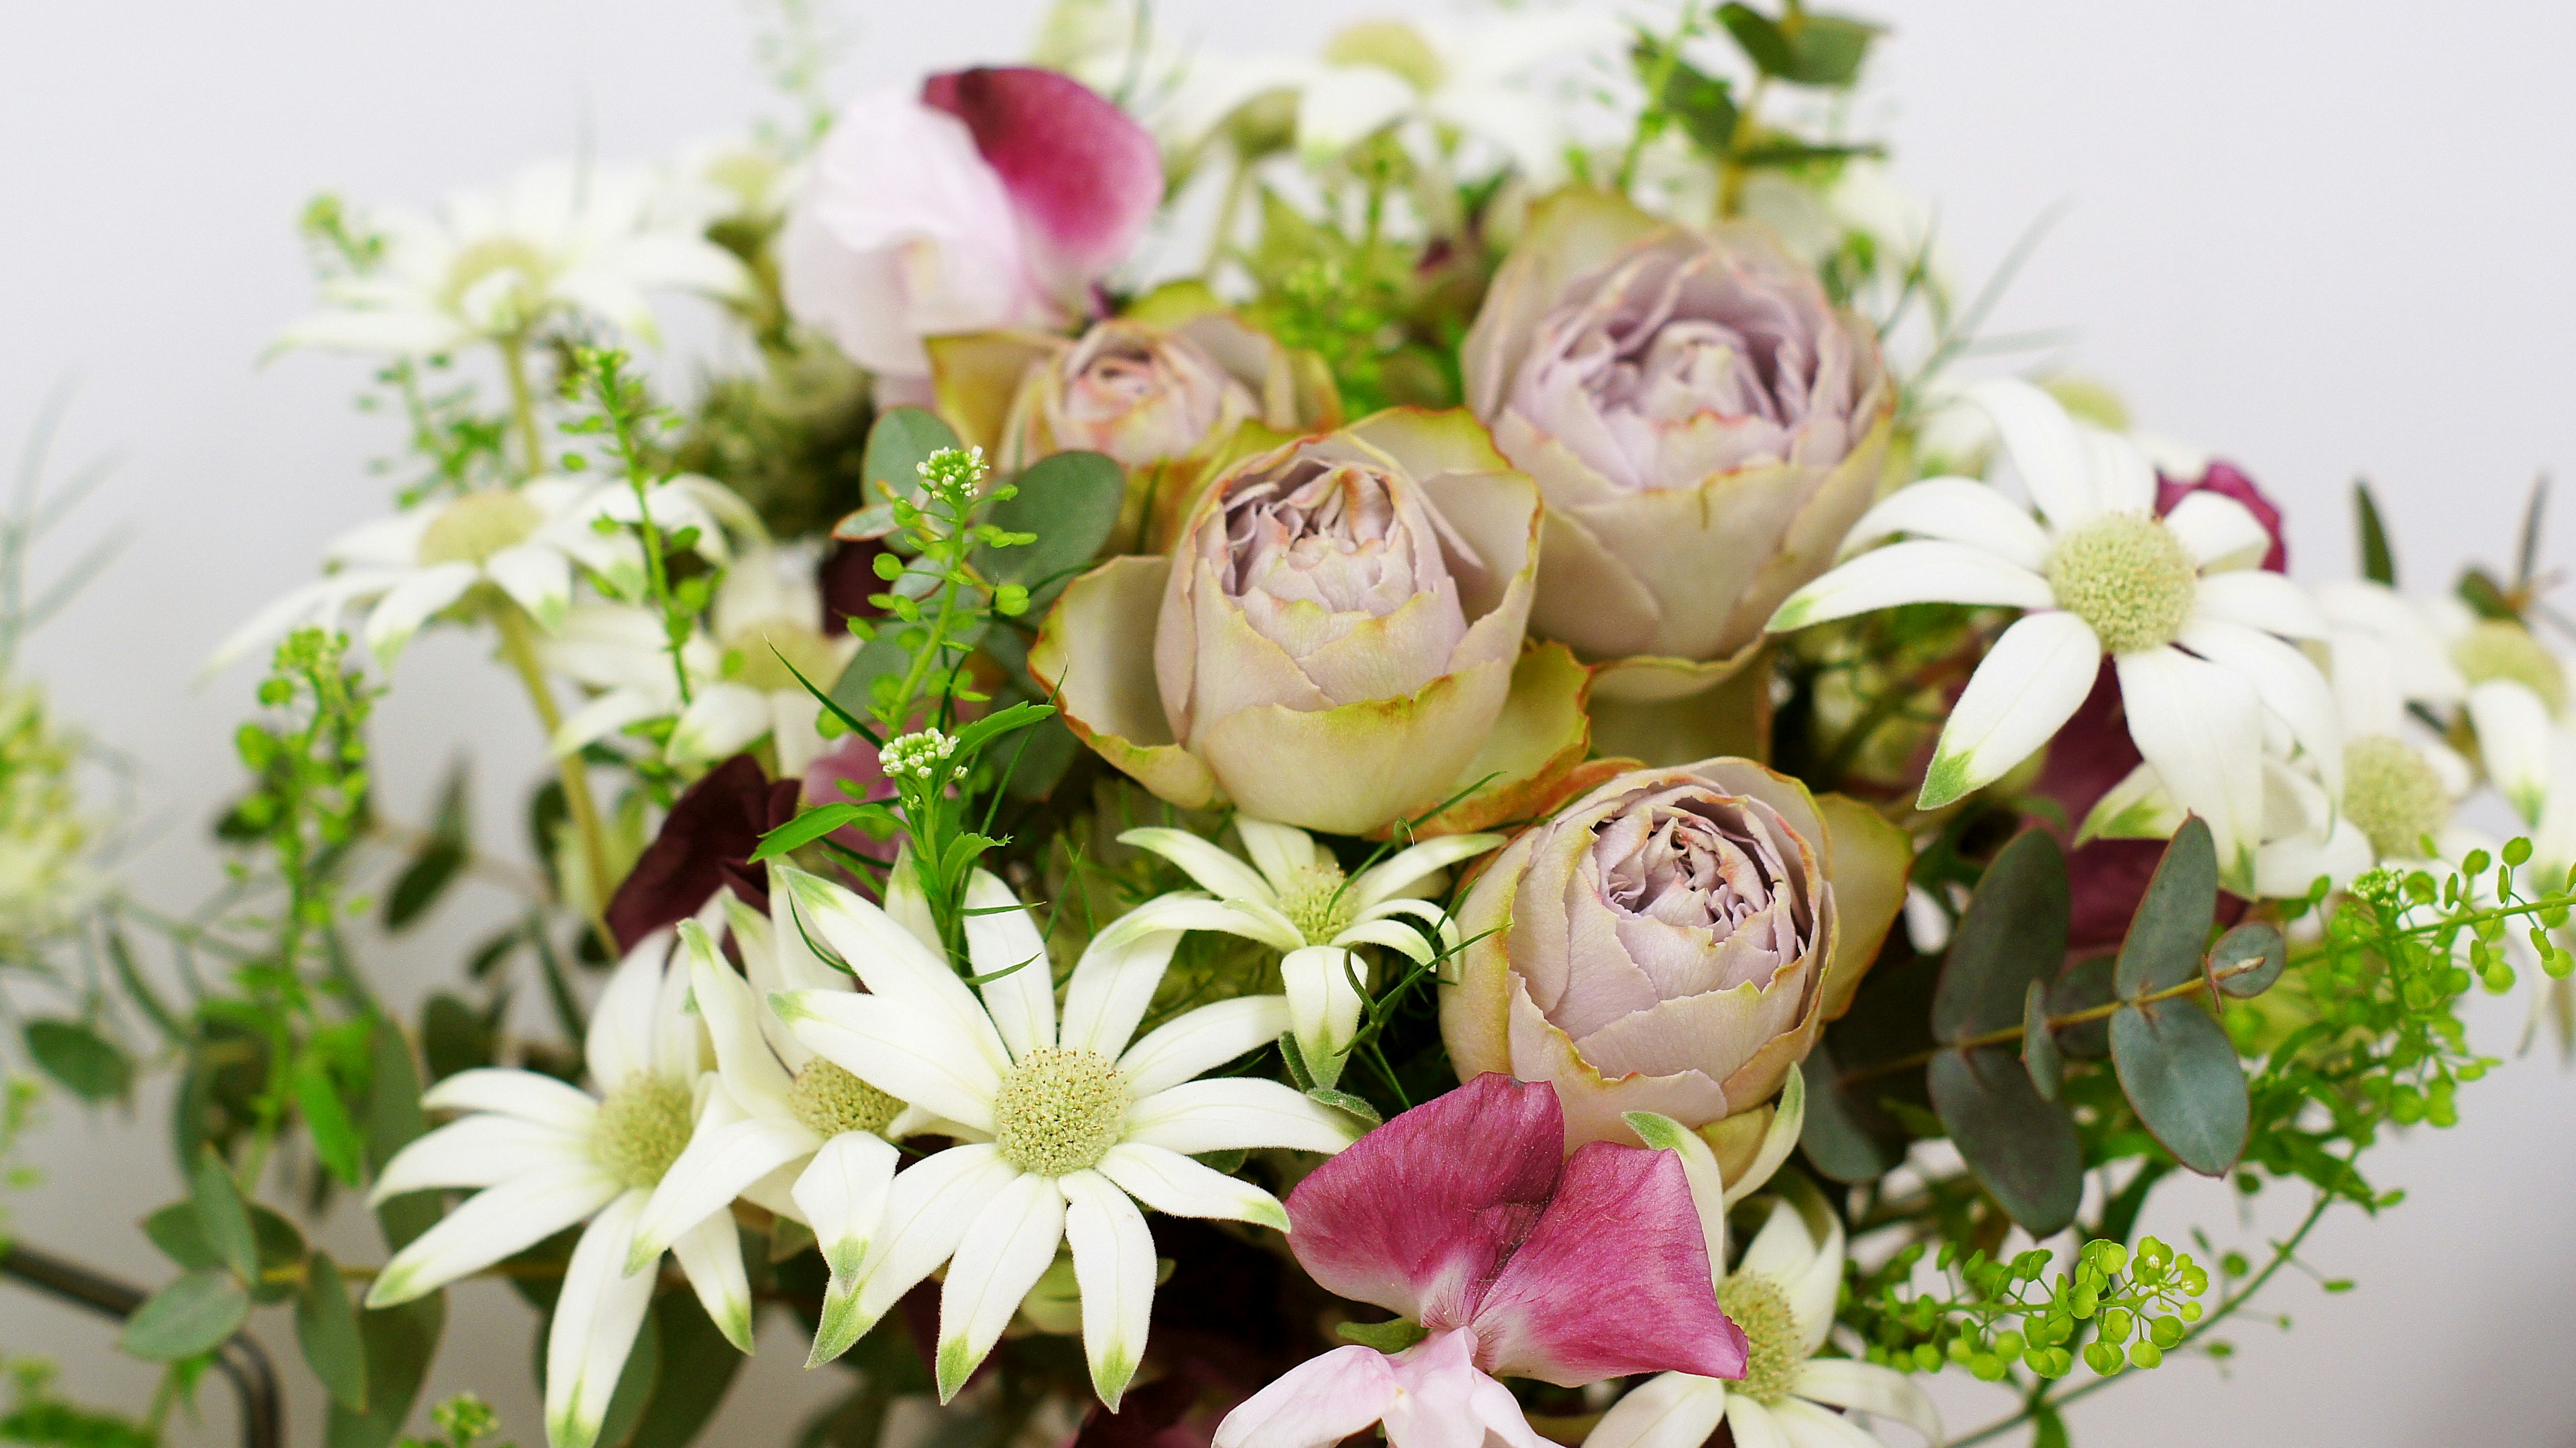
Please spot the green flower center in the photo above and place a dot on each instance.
(832, 1101)
(1059, 1111)
(502, 279)
(2392, 794)
(1773, 1350)
(1315, 902)
(762, 660)
(2127, 576)
(477, 526)
(2497, 650)
(642, 1127)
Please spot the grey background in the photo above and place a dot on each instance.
(2316, 238)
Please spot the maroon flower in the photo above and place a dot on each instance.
(705, 845)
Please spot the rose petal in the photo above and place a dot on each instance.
(1083, 178)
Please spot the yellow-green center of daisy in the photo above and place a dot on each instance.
(500, 279)
(2496, 650)
(2129, 577)
(832, 1101)
(1059, 1111)
(1772, 1351)
(762, 660)
(2392, 793)
(1315, 902)
(477, 526)
(641, 1129)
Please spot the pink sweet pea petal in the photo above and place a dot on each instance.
(1419, 1213)
(1319, 1402)
(1614, 1279)
(1083, 178)
(1446, 1403)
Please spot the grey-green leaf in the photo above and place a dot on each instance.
(190, 1316)
(1836, 1137)
(2023, 1149)
(222, 1217)
(698, 1365)
(2171, 927)
(1071, 501)
(902, 439)
(326, 1327)
(2012, 933)
(2181, 1073)
(2248, 959)
(398, 1344)
(2039, 1044)
(2085, 985)
(87, 1064)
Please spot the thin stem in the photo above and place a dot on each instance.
(2009, 1034)
(1731, 175)
(523, 404)
(519, 646)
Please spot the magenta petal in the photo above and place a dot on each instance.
(1083, 177)
(1319, 1402)
(2228, 481)
(1419, 1213)
(1614, 1279)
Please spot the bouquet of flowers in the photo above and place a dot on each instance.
(1301, 746)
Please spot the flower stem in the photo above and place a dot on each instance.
(519, 647)
(1731, 175)
(523, 404)
(2009, 1034)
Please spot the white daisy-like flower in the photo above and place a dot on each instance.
(2516, 695)
(493, 266)
(766, 629)
(1782, 1293)
(2199, 635)
(1295, 898)
(1067, 1125)
(546, 1155)
(524, 542)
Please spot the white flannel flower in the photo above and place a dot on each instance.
(1295, 899)
(1782, 1293)
(547, 1155)
(2517, 699)
(1063, 1123)
(2198, 634)
(493, 266)
(524, 542)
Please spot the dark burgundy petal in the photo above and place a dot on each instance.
(1614, 1279)
(1083, 178)
(1418, 1215)
(705, 844)
(2225, 480)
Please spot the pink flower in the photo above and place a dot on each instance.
(994, 199)
(1464, 1216)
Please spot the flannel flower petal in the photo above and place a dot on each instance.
(2201, 636)
(1295, 898)
(1465, 1217)
(545, 1156)
(1067, 1125)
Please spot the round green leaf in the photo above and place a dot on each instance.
(190, 1316)
(87, 1064)
(2023, 1149)
(223, 1219)
(2167, 934)
(2085, 985)
(1836, 1135)
(1071, 501)
(2039, 1045)
(2012, 934)
(900, 442)
(2248, 959)
(2181, 1073)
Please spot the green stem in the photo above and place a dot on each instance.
(2009, 1034)
(1730, 176)
(518, 645)
(523, 404)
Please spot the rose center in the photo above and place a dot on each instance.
(1059, 1111)
(641, 1129)
(1773, 1351)
(2392, 793)
(2499, 651)
(2127, 576)
(477, 526)
(1315, 902)
(832, 1101)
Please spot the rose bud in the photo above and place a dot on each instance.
(1332, 640)
(1672, 942)
(1704, 424)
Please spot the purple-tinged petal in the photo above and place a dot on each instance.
(1445, 1403)
(1315, 1404)
(1083, 178)
(2227, 481)
(1614, 1279)
(705, 845)
(1418, 1214)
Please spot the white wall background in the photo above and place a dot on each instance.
(2318, 238)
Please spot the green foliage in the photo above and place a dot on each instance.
(79, 1058)
(2115, 1307)
(38, 1418)
(623, 413)
(464, 1421)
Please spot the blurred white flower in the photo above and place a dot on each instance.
(493, 266)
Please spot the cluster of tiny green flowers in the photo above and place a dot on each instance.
(922, 755)
(2135, 1306)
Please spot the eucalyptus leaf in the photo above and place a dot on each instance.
(396, 1344)
(1704, 104)
(223, 1219)
(326, 1328)
(2084, 986)
(2181, 1073)
(1836, 1134)
(1826, 50)
(900, 442)
(1071, 501)
(2171, 929)
(173, 1229)
(1760, 38)
(82, 1061)
(281, 1255)
(698, 1366)
(2039, 1055)
(2023, 1149)
(2012, 934)
(190, 1316)
(2256, 944)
